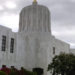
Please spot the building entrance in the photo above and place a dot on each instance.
(39, 71)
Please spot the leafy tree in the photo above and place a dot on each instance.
(63, 64)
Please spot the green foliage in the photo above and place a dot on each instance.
(26, 72)
(63, 64)
(2, 73)
(14, 71)
(30, 73)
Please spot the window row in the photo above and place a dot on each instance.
(4, 44)
(12, 45)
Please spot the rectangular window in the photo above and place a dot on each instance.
(53, 50)
(3, 43)
(12, 45)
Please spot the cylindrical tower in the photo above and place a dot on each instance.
(35, 18)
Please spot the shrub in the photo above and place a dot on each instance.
(26, 72)
(14, 71)
(2, 73)
(5, 69)
(30, 73)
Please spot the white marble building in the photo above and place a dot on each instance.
(33, 45)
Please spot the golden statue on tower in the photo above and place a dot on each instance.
(35, 1)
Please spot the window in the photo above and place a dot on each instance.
(3, 43)
(12, 45)
(53, 50)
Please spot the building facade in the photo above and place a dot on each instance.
(33, 46)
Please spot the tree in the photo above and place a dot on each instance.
(63, 64)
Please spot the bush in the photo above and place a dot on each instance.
(14, 71)
(2, 73)
(26, 72)
(30, 73)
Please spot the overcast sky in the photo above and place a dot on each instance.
(62, 16)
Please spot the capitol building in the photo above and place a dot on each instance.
(33, 46)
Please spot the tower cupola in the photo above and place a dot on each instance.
(35, 18)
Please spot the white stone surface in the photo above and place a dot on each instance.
(35, 18)
(32, 49)
(33, 46)
(72, 51)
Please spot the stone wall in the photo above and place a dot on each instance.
(35, 18)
